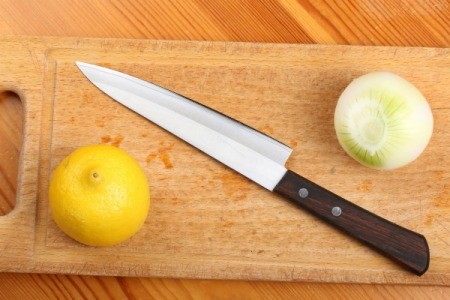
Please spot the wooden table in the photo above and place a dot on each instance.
(358, 22)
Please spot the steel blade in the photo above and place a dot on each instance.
(242, 148)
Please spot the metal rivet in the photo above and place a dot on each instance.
(303, 193)
(336, 211)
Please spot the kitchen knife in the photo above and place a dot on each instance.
(259, 158)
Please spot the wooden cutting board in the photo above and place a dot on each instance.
(207, 221)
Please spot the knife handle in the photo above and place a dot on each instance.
(400, 244)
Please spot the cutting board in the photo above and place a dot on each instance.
(207, 221)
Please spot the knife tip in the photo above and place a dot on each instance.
(80, 64)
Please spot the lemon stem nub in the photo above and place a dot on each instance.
(95, 175)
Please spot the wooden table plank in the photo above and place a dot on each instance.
(358, 22)
(15, 286)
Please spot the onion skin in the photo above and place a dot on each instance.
(383, 121)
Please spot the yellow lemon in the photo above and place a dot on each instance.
(99, 195)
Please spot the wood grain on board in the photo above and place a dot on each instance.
(402, 23)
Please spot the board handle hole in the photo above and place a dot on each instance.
(11, 136)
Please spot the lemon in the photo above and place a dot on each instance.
(99, 195)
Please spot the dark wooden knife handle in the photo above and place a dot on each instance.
(402, 245)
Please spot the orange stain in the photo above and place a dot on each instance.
(438, 175)
(87, 96)
(240, 196)
(366, 185)
(234, 186)
(106, 139)
(100, 123)
(267, 129)
(293, 143)
(117, 140)
(228, 224)
(429, 219)
(163, 154)
(150, 157)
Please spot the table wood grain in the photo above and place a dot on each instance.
(358, 22)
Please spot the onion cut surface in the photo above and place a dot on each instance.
(383, 121)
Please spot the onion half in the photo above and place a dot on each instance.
(383, 121)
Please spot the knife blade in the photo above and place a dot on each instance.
(261, 159)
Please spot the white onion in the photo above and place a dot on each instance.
(383, 121)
